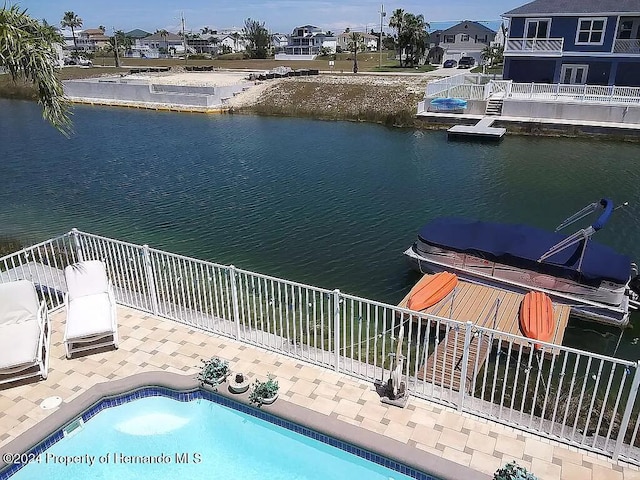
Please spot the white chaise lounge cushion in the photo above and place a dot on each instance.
(89, 315)
(19, 344)
(19, 328)
(86, 278)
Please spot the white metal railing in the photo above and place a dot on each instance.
(443, 84)
(537, 46)
(576, 93)
(576, 397)
(627, 46)
(472, 87)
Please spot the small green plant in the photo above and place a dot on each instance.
(261, 391)
(513, 471)
(213, 371)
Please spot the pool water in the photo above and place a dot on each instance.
(193, 440)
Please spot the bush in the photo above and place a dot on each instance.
(263, 390)
(513, 471)
(212, 371)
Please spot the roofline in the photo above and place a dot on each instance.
(550, 14)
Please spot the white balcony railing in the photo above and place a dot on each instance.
(577, 397)
(627, 46)
(536, 46)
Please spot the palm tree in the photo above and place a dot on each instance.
(236, 37)
(164, 34)
(355, 40)
(396, 21)
(27, 51)
(119, 43)
(415, 37)
(73, 21)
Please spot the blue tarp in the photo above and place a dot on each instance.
(521, 246)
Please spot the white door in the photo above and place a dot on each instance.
(574, 74)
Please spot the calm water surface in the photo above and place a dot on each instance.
(331, 204)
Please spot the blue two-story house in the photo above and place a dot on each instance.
(594, 42)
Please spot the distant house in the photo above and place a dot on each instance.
(232, 41)
(465, 39)
(370, 42)
(151, 45)
(91, 39)
(575, 42)
(279, 42)
(306, 42)
(137, 34)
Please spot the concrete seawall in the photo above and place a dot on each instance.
(125, 92)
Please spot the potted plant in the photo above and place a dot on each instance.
(264, 393)
(239, 383)
(513, 471)
(214, 372)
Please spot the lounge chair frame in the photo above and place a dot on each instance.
(40, 367)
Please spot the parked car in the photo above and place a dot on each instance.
(450, 64)
(466, 62)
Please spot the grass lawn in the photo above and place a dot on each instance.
(495, 70)
(343, 62)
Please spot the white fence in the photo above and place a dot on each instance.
(482, 87)
(576, 397)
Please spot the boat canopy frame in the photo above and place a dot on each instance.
(582, 235)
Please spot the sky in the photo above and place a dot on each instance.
(280, 16)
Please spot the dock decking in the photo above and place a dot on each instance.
(476, 303)
(482, 129)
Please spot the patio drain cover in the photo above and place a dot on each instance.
(50, 403)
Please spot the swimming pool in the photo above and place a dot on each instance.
(157, 436)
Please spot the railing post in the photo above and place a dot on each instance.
(468, 335)
(531, 91)
(234, 299)
(336, 328)
(151, 283)
(76, 243)
(631, 400)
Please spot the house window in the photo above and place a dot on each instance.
(626, 27)
(464, 37)
(537, 27)
(449, 39)
(591, 31)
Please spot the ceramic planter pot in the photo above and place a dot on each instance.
(238, 383)
(268, 401)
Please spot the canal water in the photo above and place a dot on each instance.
(331, 204)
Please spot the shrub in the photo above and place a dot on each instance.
(212, 371)
(513, 471)
(263, 390)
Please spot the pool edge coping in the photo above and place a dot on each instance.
(330, 426)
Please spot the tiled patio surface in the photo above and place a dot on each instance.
(149, 343)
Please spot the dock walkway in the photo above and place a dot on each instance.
(482, 129)
(476, 303)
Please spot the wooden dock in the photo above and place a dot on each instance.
(482, 129)
(476, 303)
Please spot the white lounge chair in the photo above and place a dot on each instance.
(25, 332)
(91, 308)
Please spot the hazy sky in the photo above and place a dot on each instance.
(278, 15)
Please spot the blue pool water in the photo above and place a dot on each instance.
(194, 440)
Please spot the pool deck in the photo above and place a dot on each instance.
(152, 344)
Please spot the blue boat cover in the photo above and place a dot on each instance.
(521, 246)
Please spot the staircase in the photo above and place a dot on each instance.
(494, 106)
